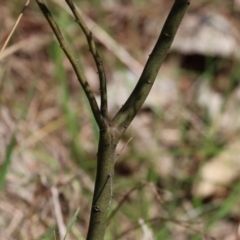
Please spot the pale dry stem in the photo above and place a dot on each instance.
(15, 26)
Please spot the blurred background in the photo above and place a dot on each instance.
(178, 165)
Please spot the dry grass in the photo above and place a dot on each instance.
(43, 107)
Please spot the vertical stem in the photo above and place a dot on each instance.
(96, 56)
(103, 186)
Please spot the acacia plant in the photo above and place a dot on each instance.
(111, 130)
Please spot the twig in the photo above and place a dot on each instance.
(129, 110)
(152, 220)
(38, 41)
(97, 59)
(118, 154)
(113, 213)
(16, 218)
(14, 27)
(120, 52)
(74, 62)
(58, 213)
(137, 187)
(147, 233)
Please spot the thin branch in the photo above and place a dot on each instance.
(81, 78)
(123, 200)
(109, 43)
(97, 59)
(129, 110)
(27, 43)
(182, 223)
(15, 25)
(58, 213)
(118, 154)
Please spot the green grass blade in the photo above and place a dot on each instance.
(226, 206)
(7, 160)
(73, 220)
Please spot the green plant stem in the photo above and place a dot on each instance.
(105, 165)
(103, 185)
(110, 132)
(95, 54)
(129, 110)
(81, 78)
